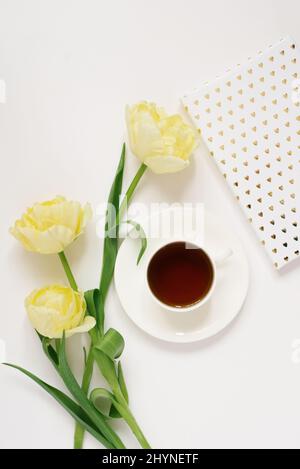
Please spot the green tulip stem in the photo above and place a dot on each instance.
(133, 425)
(86, 380)
(131, 422)
(68, 270)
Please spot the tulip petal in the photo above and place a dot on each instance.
(166, 164)
(88, 323)
(86, 216)
(51, 241)
(144, 136)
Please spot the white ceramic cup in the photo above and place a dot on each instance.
(215, 261)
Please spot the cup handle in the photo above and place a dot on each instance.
(222, 256)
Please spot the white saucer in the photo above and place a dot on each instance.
(227, 300)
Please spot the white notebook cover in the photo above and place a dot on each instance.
(250, 121)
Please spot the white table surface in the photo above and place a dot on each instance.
(70, 67)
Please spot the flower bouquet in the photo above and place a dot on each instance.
(164, 144)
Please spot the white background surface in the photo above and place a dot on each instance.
(70, 67)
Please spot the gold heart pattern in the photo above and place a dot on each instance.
(250, 121)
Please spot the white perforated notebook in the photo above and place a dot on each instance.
(250, 121)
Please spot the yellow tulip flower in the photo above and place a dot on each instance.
(163, 143)
(49, 227)
(56, 309)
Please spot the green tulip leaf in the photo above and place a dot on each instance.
(142, 235)
(112, 344)
(90, 298)
(69, 405)
(122, 383)
(49, 351)
(84, 356)
(95, 306)
(107, 367)
(104, 402)
(111, 229)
